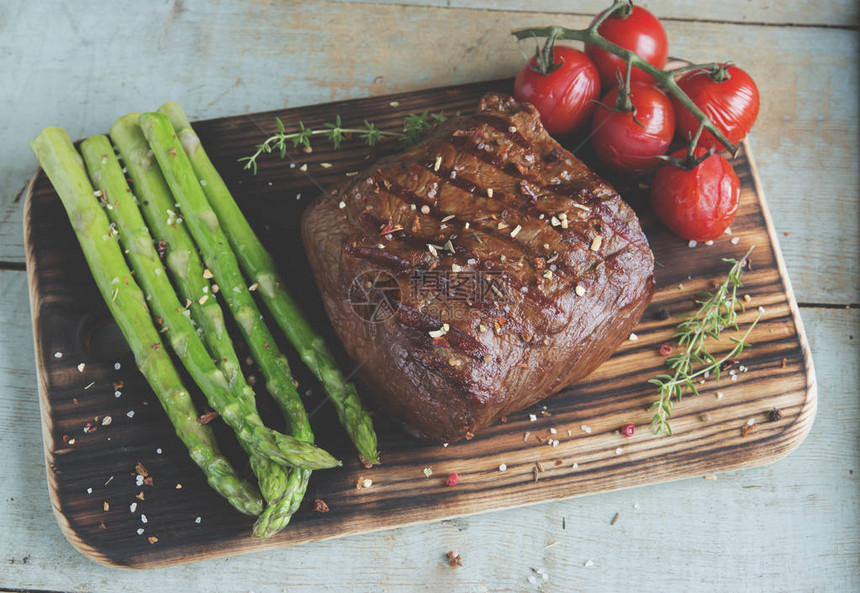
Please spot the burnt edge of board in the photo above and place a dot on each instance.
(753, 453)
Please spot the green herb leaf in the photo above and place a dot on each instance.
(716, 311)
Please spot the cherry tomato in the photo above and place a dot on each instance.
(565, 97)
(641, 33)
(698, 204)
(626, 145)
(731, 104)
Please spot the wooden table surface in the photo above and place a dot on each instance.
(793, 526)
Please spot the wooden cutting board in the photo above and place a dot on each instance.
(86, 375)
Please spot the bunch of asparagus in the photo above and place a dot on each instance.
(179, 202)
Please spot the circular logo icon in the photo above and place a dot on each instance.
(375, 295)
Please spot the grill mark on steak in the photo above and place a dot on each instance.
(504, 126)
(567, 190)
(379, 257)
(401, 268)
(457, 339)
(408, 196)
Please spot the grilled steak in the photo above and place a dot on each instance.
(478, 272)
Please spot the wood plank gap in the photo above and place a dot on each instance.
(17, 266)
(828, 306)
(847, 27)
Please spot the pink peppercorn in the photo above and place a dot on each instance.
(452, 480)
(628, 430)
(666, 349)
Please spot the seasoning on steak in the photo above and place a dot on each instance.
(478, 272)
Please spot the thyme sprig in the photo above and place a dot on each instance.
(717, 311)
(414, 127)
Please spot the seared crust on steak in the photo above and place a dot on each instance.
(498, 268)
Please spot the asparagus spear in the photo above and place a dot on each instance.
(259, 266)
(203, 225)
(276, 483)
(126, 302)
(235, 409)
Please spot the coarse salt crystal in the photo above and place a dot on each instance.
(132, 507)
(439, 332)
(143, 519)
(130, 414)
(140, 531)
(586, 428)
(502, 467)
(197, 520)
(106, 420)
(342, 205)
(709, 242)
(692, 243)
(89, 490)
(580, 290)
(117, 366)
(158, 451)
(618, 451)
(588, 563)
(633, 337)
(58, 354)
(117, 393)
(532, 417)
(138, 480)
(81, 367)
(553, 431)
(735, 240)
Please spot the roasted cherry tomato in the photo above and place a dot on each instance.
(729, 97)
(565, 97)
(631, 141)
(697, 204)
(640, 32)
